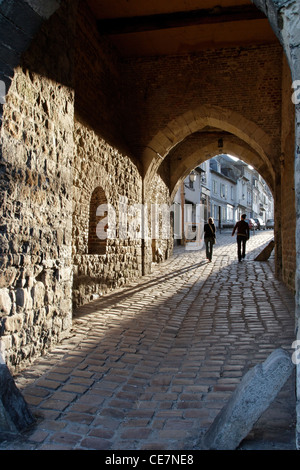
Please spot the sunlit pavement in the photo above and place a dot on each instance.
(151, 365)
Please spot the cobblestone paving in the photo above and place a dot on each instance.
(151, 365)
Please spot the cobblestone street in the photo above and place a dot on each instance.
(151, 365)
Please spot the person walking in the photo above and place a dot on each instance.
(209, 237)
(243, 234)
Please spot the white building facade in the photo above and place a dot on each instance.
(226, 189)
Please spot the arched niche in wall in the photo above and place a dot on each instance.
(96, 240)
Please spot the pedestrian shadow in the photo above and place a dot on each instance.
(251, 250)
(127, 291)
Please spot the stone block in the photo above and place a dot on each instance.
(23, 298)
(13, 323)
(22, 16)
(38, 293)
(5, 301)
(266, 252)
(7, 276)
(15, 415)
(12, 36)
(44, 9)
(9, 56)
(257, 390)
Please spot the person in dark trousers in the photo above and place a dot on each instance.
(209, 237)
(243, 234)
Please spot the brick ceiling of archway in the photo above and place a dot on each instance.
(155, 27)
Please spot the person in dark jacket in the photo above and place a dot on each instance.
(243, 234)
(209, 237)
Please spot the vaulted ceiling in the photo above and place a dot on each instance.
(156, 27)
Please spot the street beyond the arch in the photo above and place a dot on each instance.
(151, 365)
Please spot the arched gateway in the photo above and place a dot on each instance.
(81, 95)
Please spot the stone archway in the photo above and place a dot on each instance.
(18, 34)
(201, 146)
(231, 146)
(238, 133)
(192, 121)
(284, 17)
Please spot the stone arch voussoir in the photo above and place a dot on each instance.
(195, 120)
(208, 151)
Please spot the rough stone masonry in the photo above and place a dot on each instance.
(15, 415)
(73, 122)
(251, 398)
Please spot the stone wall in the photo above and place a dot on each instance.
(287, 218)
(62, 138)
(98, 164)
(160, 243)
(101, 103)
(36, 204)
(246, 80)
(20, 21)
(78, 118)
(101, 160)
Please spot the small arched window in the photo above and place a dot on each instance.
(96, 244)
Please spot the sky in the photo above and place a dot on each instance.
(237, 159)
